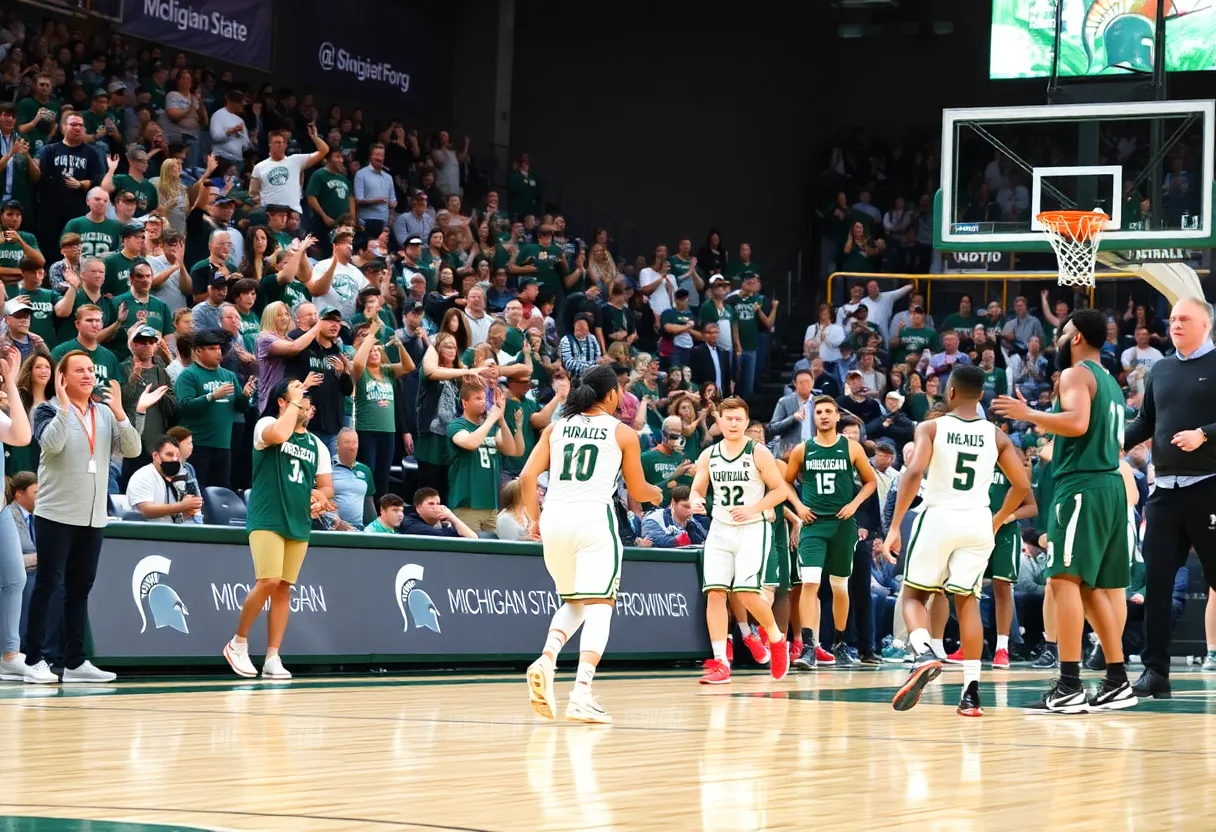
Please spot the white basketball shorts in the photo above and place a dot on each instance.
(949, 550)
(582, 550)
(735, 558)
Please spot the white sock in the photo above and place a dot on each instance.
(745, 629)
(1002, 642)
(971, 671)
(597, 622)
(565, 623)
(719, 650)
(271, 652)
(939, 647)
(239, 640)
(586, 672)
(919, 639)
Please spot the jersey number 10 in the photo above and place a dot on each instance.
(579, 463)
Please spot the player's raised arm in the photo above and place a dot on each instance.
(700, 482)
(869, 483)
(1019, 482)
(1077, 386)
(909, 482)
(631, 468)
(285, 425)
(537, 464)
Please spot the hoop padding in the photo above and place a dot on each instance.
(1174, 280)
(1075, 236)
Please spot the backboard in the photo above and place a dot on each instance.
(1004, 165)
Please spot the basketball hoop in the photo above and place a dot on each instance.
(1075, 236)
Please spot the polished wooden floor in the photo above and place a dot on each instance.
(820, 751)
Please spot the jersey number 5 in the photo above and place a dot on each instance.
(579, 463)
(966, 473)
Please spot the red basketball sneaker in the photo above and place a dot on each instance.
(1001, 659)
(757, 647)
(781, 660)
(716, 673)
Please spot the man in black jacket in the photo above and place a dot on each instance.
(430, 517)
(709, 362)
(1179, 414)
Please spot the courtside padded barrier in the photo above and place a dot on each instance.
(170, 595)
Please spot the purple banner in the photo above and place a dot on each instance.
(236, 31)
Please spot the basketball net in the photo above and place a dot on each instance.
(1075, 236)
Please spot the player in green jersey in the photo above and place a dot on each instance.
(828, 500)
(1003, 565)
(785, 575)
(1088, 562)
(291, 483)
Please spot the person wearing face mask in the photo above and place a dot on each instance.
(151, 490)
(666, 465)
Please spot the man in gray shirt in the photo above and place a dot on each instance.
(1022, 325)
(375, 194)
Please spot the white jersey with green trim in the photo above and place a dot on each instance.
(964, 459)
(735, 482)
(584, 461)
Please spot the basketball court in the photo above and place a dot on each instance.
(464, 752)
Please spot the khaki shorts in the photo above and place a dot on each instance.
(276, 557)
(478, 519)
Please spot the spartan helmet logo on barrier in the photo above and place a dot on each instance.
(166, 606)
(410, 596)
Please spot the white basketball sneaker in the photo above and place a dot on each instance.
(13, 671)
(39, 674)
(273, 668)
(583, 707)
(540, 688)
(238, 659)
(87, 673)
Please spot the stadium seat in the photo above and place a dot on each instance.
(132, 515)
(222, 507)
(119, 505)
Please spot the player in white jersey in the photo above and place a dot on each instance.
(746, 483)
(952, 539)
(583, 451)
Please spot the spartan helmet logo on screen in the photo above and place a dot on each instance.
(163, 602)
(414, 599)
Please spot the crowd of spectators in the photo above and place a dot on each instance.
(184, 231)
